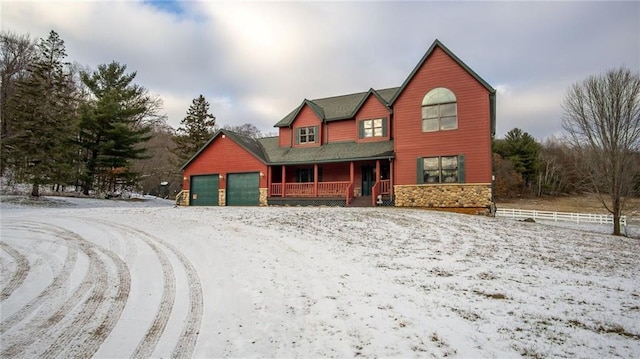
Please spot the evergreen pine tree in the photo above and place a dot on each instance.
(44, 122)
(523, 151)
(197, 128)
(111, 133)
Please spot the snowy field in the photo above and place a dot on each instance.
(115, 279)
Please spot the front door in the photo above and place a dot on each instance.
(368, 179)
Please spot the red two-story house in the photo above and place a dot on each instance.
(426, 143)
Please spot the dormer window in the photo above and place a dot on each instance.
(376, 127)
(306, 135)
(439, 110)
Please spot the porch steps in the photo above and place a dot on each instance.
(364, 201)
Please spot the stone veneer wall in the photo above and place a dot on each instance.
(263, 197)
(222, 197)
(184, 201)
(443, 195)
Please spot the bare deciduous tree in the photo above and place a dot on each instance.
(602, 120)
(17, 53)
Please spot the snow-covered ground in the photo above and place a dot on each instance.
(111, 279)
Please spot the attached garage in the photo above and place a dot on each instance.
(204, 190)
(243, 189)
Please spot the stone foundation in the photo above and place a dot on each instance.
(222, 197)
(263, 197)
(443, 195)
(184, 200)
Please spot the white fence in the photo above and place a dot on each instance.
(559, 216)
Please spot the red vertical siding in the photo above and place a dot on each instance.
(340, 131)
(224, 156)
(335, 172)
(372, 109)
(472, 138)
(284, 137)
(306, 117)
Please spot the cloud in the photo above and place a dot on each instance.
(536, 110)
(256, 61)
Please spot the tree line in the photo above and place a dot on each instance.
(598, 153)
(98, 131)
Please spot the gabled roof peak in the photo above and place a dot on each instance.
(437, 43)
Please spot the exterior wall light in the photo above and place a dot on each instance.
(221, 176)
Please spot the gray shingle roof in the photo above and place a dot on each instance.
(268, 150)
(338, 107)
(331, 152)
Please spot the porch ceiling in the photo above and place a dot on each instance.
(331, 152)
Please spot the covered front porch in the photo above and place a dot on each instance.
(333, 183)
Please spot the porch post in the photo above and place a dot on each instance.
(391, 177)
(377, 172)
(284, 172)
(351, 172)
(315, 180)
(269, 181)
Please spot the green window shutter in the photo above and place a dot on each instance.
(385, 126)
(316, 133)
(297, 136)
(360, 129)
(461, 171)
(420, 170)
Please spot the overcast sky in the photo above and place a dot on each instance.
(256, 61)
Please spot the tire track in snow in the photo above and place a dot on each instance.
(88, 299)
(148, 343)
(22, 269)
(54, 290)
(37, 328)
(189, 335)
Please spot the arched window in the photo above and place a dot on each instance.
(439, 110)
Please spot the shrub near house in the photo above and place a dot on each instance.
(426, 143)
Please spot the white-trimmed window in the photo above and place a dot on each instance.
(306, 135)
(439, 110)
(376, 127)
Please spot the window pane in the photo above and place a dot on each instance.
(367, 124)
(430, 125)
(430, 112)
(449, 176)
(377, 132)
(303, 131)
(438, 95)
(368, 132)
(432, 176)
(311, 138)
(377, 123)
(311, 130)
(449, 123)
(448, 110)
(430, 163)
(450, 162)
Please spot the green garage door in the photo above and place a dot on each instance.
(204, 190)
(242, 189)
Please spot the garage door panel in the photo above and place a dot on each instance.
(243, 189)
(204, 190)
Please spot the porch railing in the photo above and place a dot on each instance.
(276, 189)
(349, 194)
(306, 189)
(385, 187)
